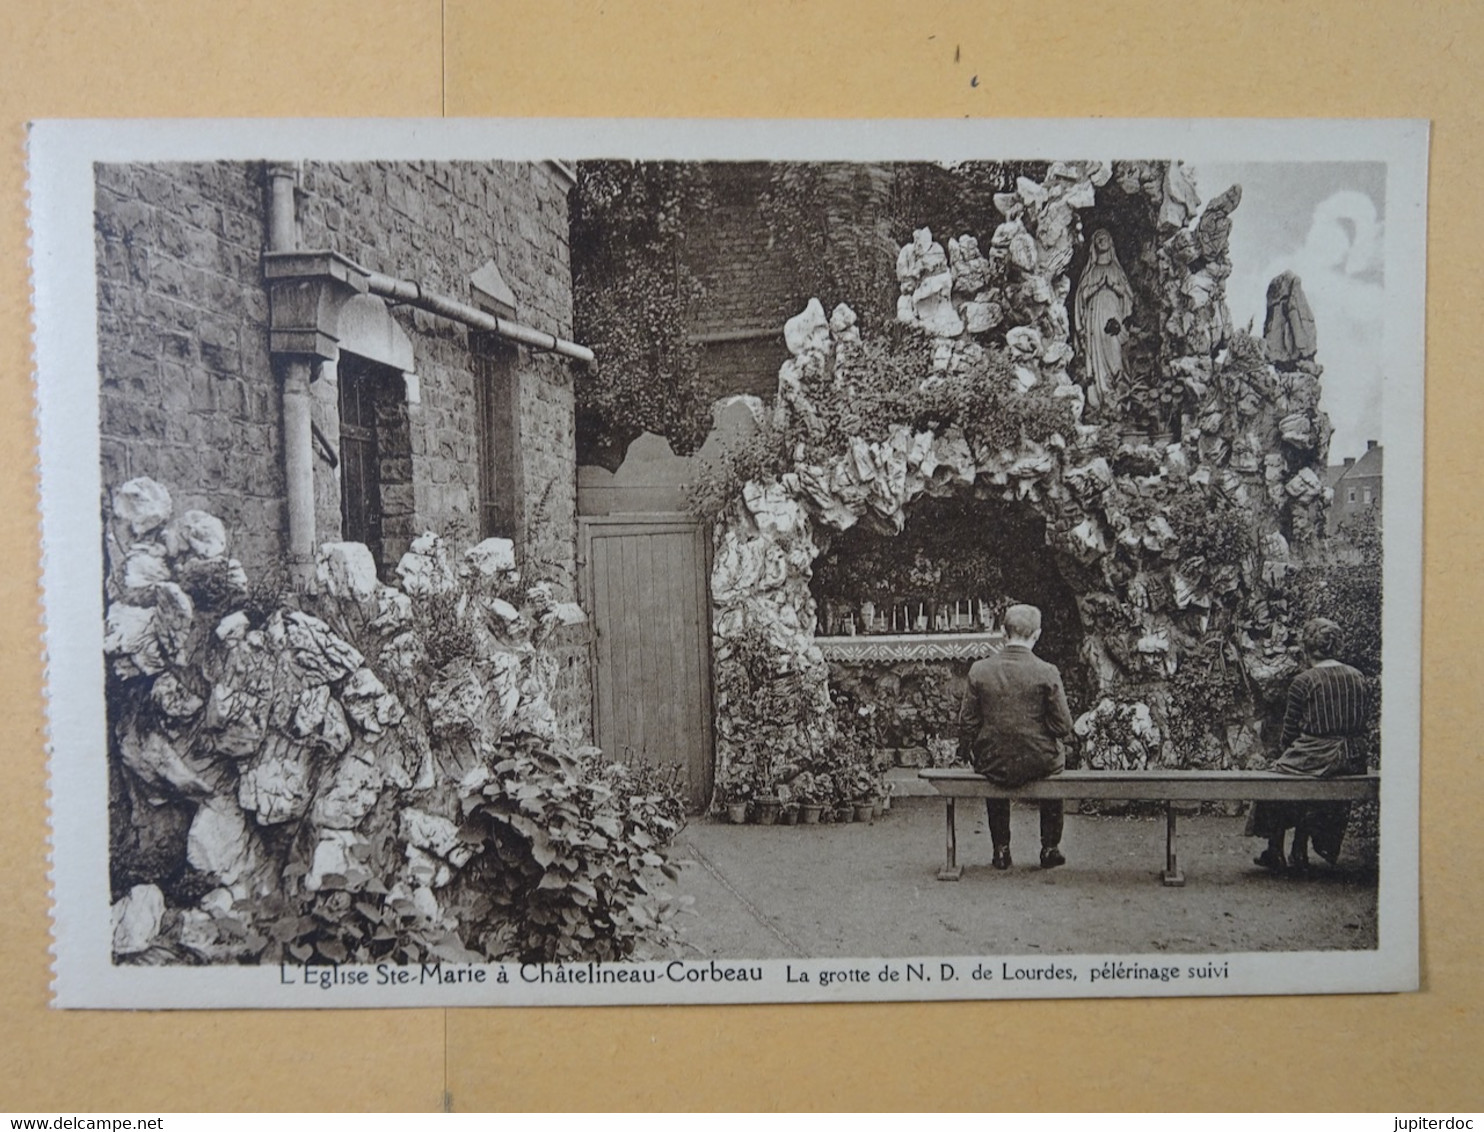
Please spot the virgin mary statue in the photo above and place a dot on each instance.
(1104, 301)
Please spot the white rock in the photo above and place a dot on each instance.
(204, 533)
(275, 785)
(393, 610)
(426, 903)
(982, 317)
(368, 703)
(352, 793)
(505, 685)
(808, 331)
(144, 567)
(424, 569)
(970, 268)
(232, 627)
(143, 504)
(362, 685)
(1030, 193)
(219, 843)
(126, 630)
(237, 710)
(173, 698)
(930, 255)
(490, 558)
(334, 732)
(843, 324)
(136, 919)
(776, 513)
(933, 309)
(309, 715)
(434, 834)
(456, 699)
(1024, 342)
(346, 570)
(1305, 486)
(426, 869)
(570, 613)
(1081, 195)
(1023, 252)
(332, 856)
(322, 655)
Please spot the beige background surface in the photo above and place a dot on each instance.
(771, 58)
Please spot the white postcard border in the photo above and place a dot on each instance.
(61, 186)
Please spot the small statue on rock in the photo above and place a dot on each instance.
(1104, 302)
(1289, 328)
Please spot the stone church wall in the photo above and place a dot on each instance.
(188, 394)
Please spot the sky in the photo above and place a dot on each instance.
(1324, 221)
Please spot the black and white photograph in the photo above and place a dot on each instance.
(591, 562)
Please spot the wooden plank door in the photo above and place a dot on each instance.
(645, 586)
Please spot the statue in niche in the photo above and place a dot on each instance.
(1103, 304)
(1288, 329)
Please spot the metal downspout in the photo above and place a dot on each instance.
(413, 295)
(298, 441)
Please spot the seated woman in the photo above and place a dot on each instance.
(1326, 714)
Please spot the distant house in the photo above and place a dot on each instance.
(1356, 485)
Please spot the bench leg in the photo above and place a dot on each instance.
(951, 870)
(1172, 877)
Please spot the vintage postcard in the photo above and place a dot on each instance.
(585, 562)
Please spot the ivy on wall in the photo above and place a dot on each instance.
(634, 295)
(637, 283)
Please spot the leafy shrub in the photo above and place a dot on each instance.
(1212, 527)
(1205, 691)
(633, 296)
(1346, 588)
(351, 919)
(574, 847)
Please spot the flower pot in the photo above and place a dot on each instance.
(877, 808)
(844, 813)
(789, 815)
(737, 812)
(809, 815)
(767, 811)
(864, 810)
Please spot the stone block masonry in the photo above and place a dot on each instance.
(188, 393)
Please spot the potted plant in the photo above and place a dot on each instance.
(807, 790)
(736, 808)
(766, 802)
(862, 791)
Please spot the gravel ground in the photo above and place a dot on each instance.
(871, 890)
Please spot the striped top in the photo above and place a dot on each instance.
(1327, 700)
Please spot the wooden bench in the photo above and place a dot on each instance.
(1168, 786)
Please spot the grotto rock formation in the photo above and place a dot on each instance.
(257, 753)
(1177, 551)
